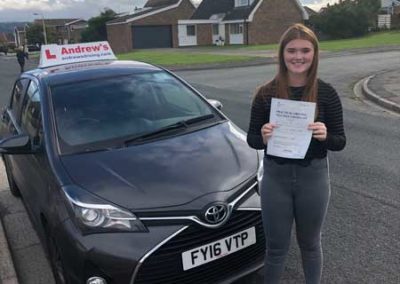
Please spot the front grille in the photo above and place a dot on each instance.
(165, 265)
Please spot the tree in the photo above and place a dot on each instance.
(34, 34)
(348, 18)
(371, 8)
(96, 30)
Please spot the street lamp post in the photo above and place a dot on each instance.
(44, 27)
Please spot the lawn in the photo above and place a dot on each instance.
(371, 40)
(204, 55)
(169, 58)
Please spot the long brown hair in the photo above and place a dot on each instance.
(280, 84)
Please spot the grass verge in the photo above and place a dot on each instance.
(205, 55)
(372, 40)
(180, 58)
(377, 39)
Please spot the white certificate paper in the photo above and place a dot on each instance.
(291, 138)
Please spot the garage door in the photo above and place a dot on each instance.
(151, 36)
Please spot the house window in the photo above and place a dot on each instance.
(236, 29)
(241, 3)
(191, 30)
(215, 29)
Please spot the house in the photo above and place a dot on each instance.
(389, 16)
(7, 39)
(3, 38)
(3, 43)
(64, 30)
(153, 26)
(388, 6)
(395, 19)
(73, 30)
(310, 11)
(240, 22)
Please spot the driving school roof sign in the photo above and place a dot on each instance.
(51, 55)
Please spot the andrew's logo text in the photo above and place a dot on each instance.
(84, 49)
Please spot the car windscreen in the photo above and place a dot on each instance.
(106, 112)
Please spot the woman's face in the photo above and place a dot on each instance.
(298, 56)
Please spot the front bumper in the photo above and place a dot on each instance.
(155, 256)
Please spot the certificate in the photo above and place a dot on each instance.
(291, 138)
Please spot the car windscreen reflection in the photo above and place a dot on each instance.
(108, 112)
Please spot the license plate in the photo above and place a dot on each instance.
(215, 250)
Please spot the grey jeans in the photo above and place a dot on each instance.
(291, 192)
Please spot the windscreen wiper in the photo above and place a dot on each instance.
(178, 125)
(199, 118)
(157, 132)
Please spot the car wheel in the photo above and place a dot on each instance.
(55, 259)
(13, 186)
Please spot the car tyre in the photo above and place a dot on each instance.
(11, 182)
(54, 256)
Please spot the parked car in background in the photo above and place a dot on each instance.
(33, 47)
(129, 174)
(4, 49)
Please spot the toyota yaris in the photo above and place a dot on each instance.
(131, 176)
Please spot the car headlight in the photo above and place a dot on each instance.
(94, 214)
(260, 170)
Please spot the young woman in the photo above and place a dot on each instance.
(296, 189)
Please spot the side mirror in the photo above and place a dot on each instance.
(18, 144)
(215, 103)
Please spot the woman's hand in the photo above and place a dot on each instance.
(318, 130)
(266, 131)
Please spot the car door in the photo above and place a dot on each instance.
(35, 166)
(11, 115)
(10, 122)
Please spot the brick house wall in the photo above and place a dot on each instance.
(271, 19)
(246, 33)
(396, 17)
(227, 34)
(120, 36)
(204, 34)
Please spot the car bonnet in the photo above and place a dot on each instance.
(169, 172)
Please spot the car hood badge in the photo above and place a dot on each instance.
(216, 213)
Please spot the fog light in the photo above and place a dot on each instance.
(96, 280)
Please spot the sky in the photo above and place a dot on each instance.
(23, 10)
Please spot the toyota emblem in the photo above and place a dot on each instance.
(216, 213)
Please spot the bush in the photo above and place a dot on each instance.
(96, 30)
(348, 18)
